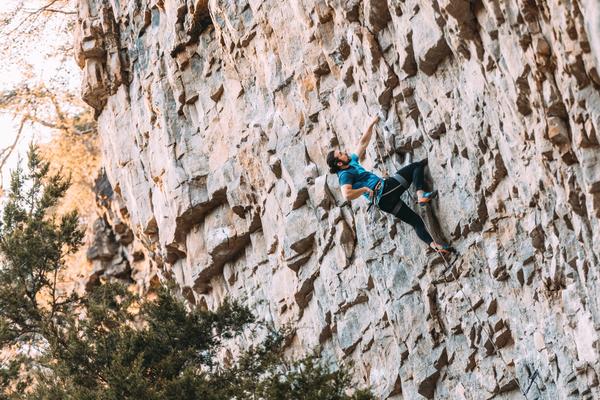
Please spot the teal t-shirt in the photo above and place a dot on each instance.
(359, 177)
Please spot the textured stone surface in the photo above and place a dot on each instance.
(216, 116)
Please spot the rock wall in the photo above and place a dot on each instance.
(216, 116)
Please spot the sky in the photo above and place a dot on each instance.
(32, 54)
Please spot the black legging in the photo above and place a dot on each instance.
(413, 173)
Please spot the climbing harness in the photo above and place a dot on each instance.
(373, 198)
(402, 183)
(400, 179)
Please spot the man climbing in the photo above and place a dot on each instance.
(384, 193)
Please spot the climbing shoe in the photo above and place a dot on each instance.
(427, 196)
(441, 249)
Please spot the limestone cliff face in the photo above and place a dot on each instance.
(215, 118)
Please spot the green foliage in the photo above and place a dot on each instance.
(112, 345)
(33, 244)
(279, 379)
(167, 352)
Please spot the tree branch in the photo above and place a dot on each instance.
(60, 11)
(6, 153)
(37, 12)
(48, 7)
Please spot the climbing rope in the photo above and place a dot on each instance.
(385, 169)
(484, 326)
(535, 374)
(481, 323)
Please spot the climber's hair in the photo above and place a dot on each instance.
(332, 162)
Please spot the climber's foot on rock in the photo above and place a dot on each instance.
(440, 248)
(426, 197)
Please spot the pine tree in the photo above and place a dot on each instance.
(112, 345)
(33, 245)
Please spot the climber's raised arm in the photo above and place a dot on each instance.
(364, 140)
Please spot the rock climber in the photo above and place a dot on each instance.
(384, 193)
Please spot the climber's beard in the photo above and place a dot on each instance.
(345, 160)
